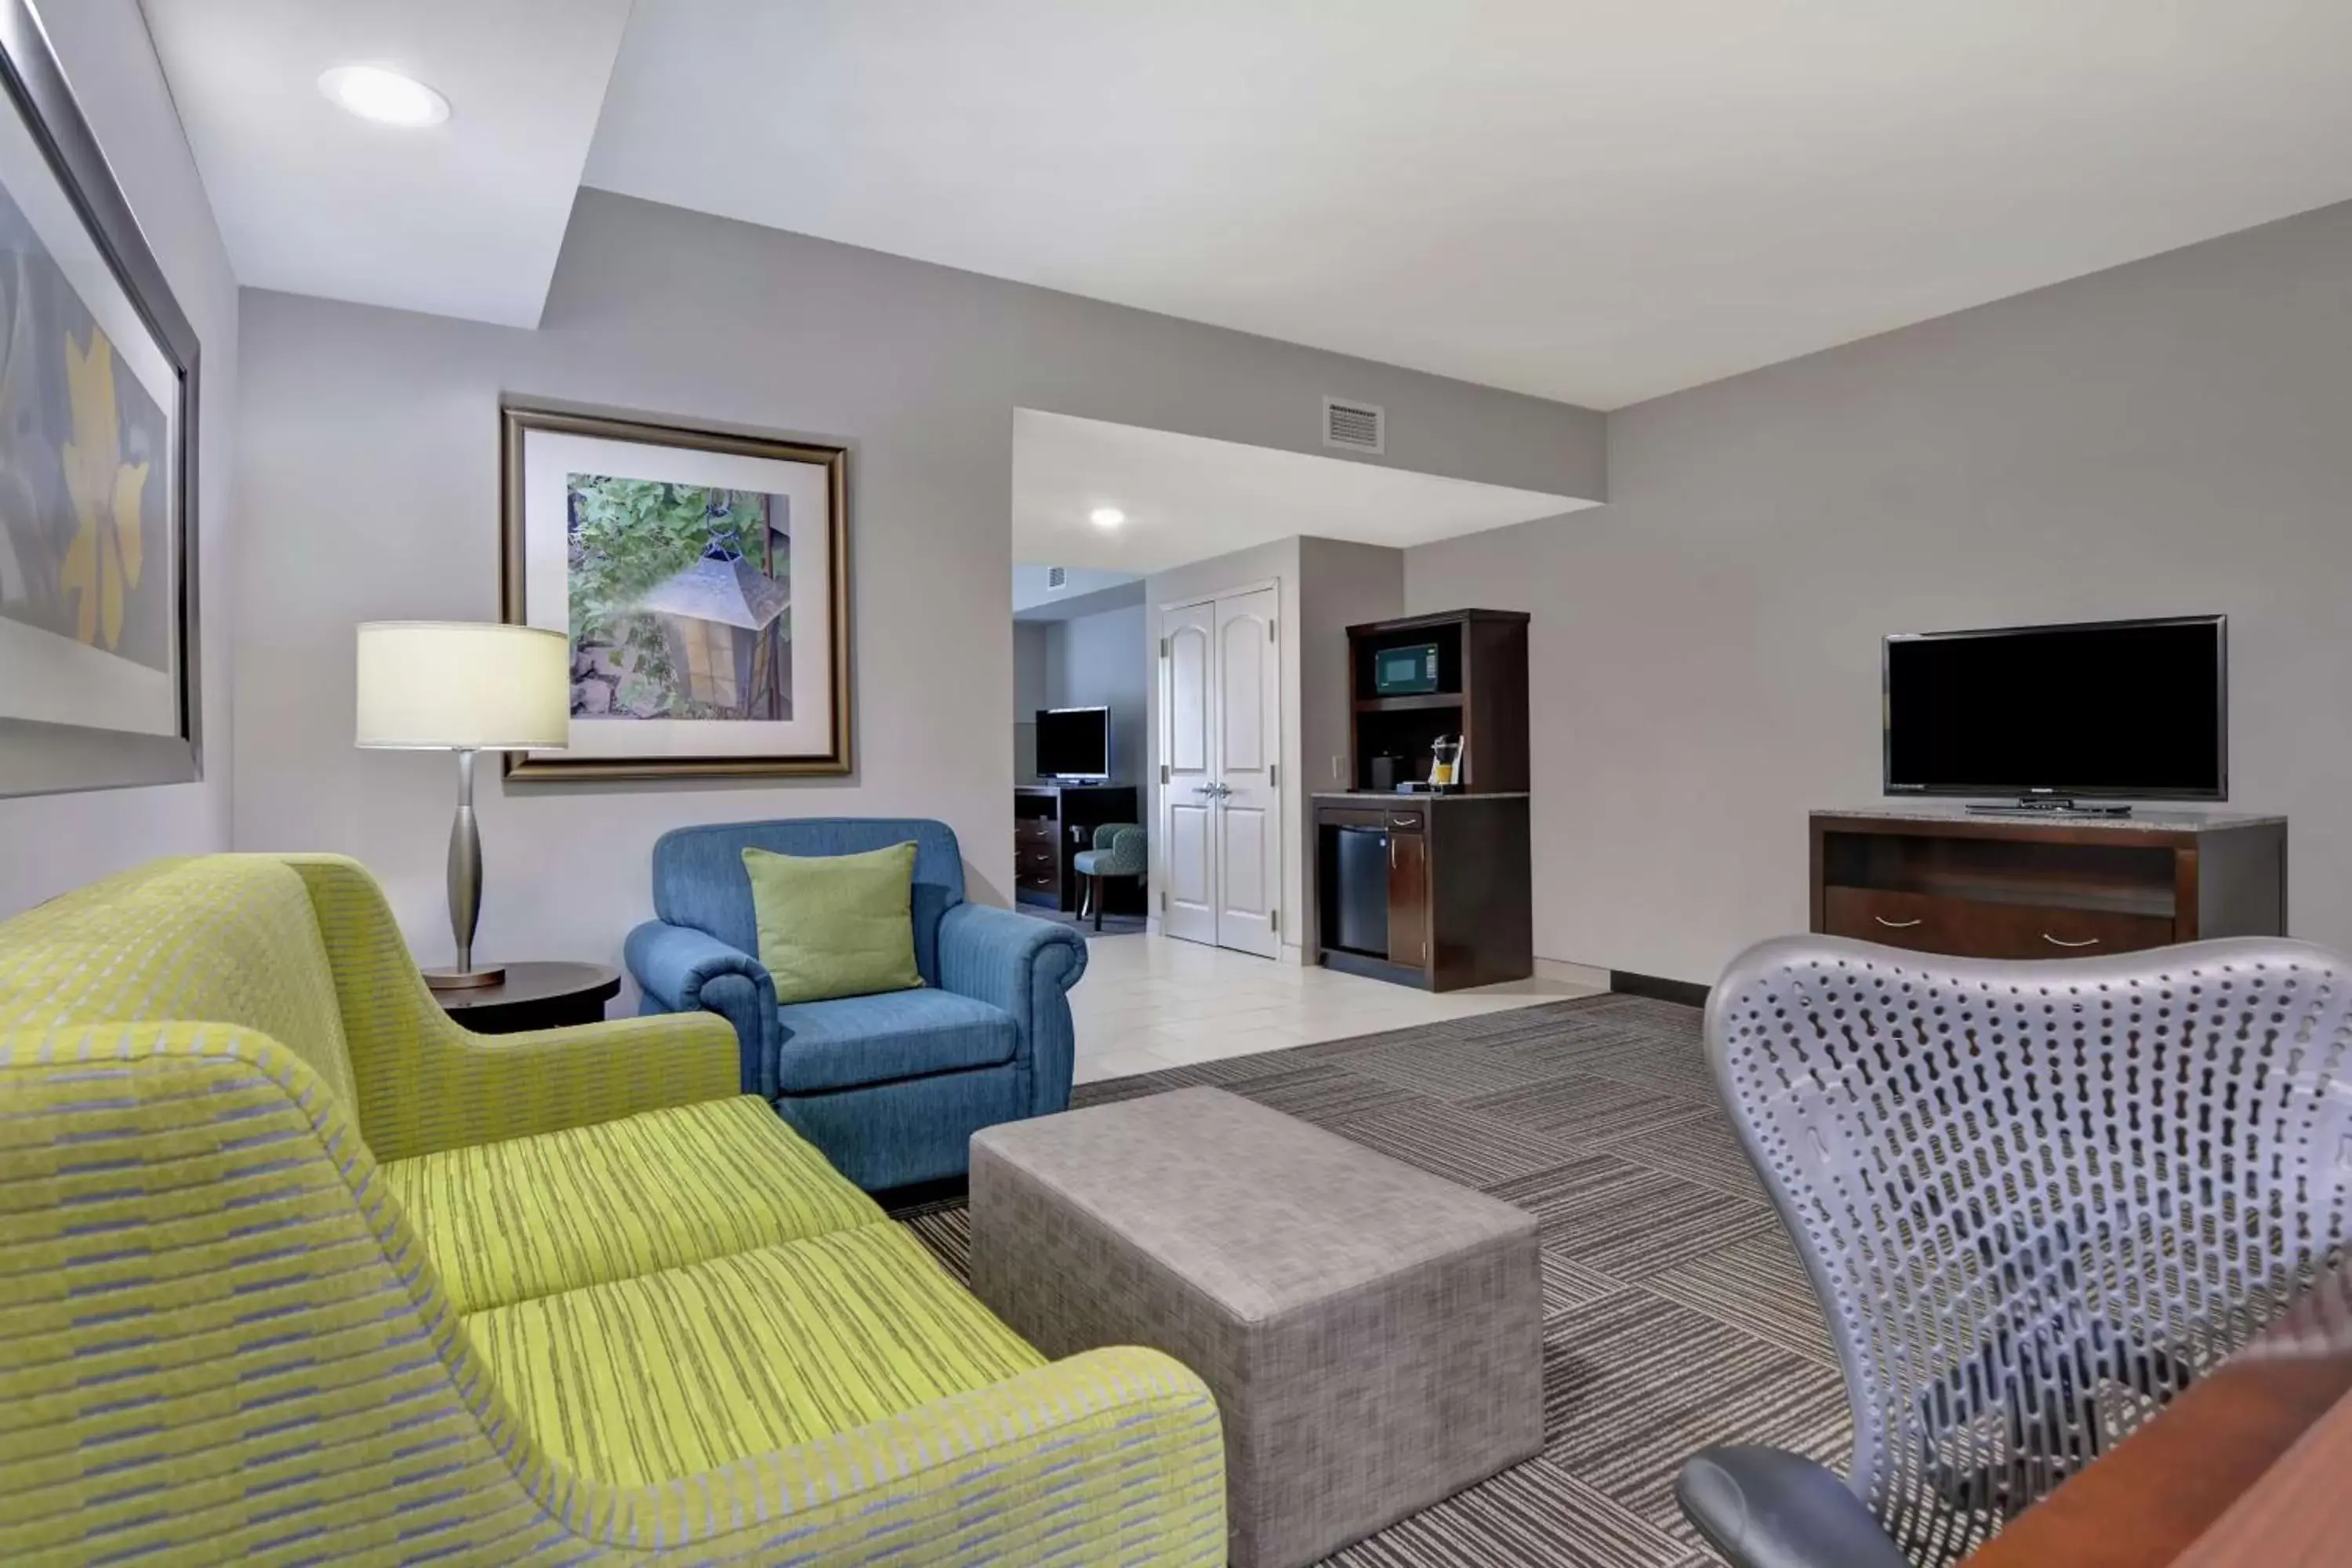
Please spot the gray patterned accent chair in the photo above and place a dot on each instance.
(1121, 849)
(2037, 1199)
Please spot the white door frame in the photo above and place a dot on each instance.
(1159, 781)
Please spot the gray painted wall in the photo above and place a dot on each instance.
(1032, 686)
(1098, 661)
(369, 488)
(2172, 437)
(51, 843)
(1340, 585)
(1084, 661)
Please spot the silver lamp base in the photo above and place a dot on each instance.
(465, 891)
(462, 979)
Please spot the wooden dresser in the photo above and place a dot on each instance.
(2018, 887)
(1051, 823)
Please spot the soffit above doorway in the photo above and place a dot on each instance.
(1186, 498)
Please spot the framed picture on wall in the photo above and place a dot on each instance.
(99, 684)
(703, 579)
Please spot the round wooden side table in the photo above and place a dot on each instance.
(535, 996)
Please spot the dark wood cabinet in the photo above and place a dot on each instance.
(1459, 882)
(1997, 887)
(1458, 885)
(1481, 699)
(1051, 823)
(1408, 890)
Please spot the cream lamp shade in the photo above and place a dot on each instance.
(463, 686)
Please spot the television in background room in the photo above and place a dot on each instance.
(2108, 710)
(1073, 744)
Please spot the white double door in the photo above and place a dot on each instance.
(1220, 739)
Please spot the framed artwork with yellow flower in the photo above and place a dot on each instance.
(99, 683)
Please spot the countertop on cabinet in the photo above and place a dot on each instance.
(2139, 821)
(1390, 797)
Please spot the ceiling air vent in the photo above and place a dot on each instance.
(1358, 426)
(1056, 579)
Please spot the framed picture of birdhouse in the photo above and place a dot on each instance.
(99, 684)
(702, 578)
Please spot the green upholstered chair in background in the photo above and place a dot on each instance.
(1121, 849)
(299, 1270)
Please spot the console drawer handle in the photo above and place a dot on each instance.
(2087, 942)
(1899, 925)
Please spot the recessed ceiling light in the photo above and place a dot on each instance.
(1106, 517)
(385, 97)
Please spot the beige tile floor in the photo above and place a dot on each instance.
(1152, 1002)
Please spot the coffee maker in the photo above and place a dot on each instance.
(1445, 754)
(1445, 762)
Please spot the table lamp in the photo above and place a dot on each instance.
(463, 687)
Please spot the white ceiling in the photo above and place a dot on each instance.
(460, 219)
(1593, 200)
(1188, 498)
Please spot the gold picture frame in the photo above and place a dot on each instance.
(689, 660)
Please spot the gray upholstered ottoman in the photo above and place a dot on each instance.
(1373, 1334)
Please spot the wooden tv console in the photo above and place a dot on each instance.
(1940, 880)
(1051, 823)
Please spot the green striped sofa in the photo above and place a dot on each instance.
(294, 1270)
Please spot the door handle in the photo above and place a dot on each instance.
(1899, 925)
(2054, 941)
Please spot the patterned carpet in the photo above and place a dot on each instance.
(1676, 1312)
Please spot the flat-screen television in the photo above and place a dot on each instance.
(1073, 742)
(2115, 709)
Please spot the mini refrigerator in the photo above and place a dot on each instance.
(1360, 898)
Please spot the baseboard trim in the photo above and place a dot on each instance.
(1569, 974)
(1370, 968)
(1689, 993)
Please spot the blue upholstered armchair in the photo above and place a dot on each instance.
(892, 1087)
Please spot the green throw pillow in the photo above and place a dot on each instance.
(836, 925)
